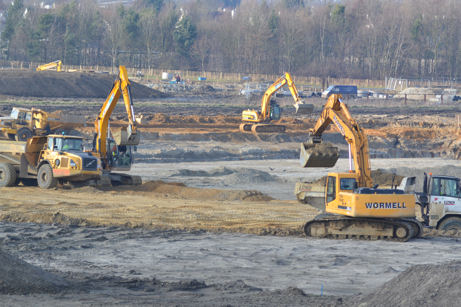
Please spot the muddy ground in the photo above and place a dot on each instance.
(216, 221)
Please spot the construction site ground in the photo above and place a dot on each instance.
(216, 221)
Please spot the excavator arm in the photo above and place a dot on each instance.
(271, 111)
(337, 112)
(265, 102)
(123, 136)
(51, 65)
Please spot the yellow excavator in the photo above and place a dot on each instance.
(115, 146)
(257, 122)
(355, 208)
(52, 65)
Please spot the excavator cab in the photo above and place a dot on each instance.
(276, 111)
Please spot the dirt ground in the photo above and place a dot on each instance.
(216, 221)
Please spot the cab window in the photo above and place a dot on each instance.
(57, 144)
(347, 184)
(445, 187)
(50, 143)
(331, 189)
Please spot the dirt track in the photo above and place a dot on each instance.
(153, 246)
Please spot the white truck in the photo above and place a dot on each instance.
(440, 202)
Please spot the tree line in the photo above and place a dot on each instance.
(370, 39)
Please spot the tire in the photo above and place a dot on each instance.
(451, 223)
(8, 175)
(23, 134)
(45, 178)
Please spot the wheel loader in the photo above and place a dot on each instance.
(354, 206)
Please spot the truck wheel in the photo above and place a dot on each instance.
(8, 175)
(23, 134)
(451, 223)
(45, 178)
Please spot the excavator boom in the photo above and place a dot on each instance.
(315, 154)
(125, 136)
(52, 65)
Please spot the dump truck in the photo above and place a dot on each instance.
(439, 202)
(47, 161)
(24, 123)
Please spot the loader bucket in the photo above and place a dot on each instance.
(318, 155)
(123, 137)
(304, 108)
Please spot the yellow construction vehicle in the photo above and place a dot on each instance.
(115, 148)
(52, 65)
(355, 208)
(256, 122)
(47, 160)
(24, 123)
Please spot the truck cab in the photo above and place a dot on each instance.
(441, 202)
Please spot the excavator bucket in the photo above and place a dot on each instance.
(318, 155)
(124, 137)
(304, 108)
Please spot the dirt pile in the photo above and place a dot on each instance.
(421, 285)
(230, 176)
(180, 190)
(20, 277)
(65, 85)
(380, 177)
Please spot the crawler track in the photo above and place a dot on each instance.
(261, 128)
(343, 227)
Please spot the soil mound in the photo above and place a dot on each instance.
(421, 285)
(20, 277)
(380, 177)
(179, 190)
(65, 85)
(231, 176)
(221, 171)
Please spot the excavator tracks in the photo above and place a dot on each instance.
(343, 227)
(261, 128)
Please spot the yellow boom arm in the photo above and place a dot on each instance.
(121, 87)
(337, 112)
(265, 102)
(51, 65)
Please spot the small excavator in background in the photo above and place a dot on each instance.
(355, 207)
(115, 146)
(260, 122)
(52, 65)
